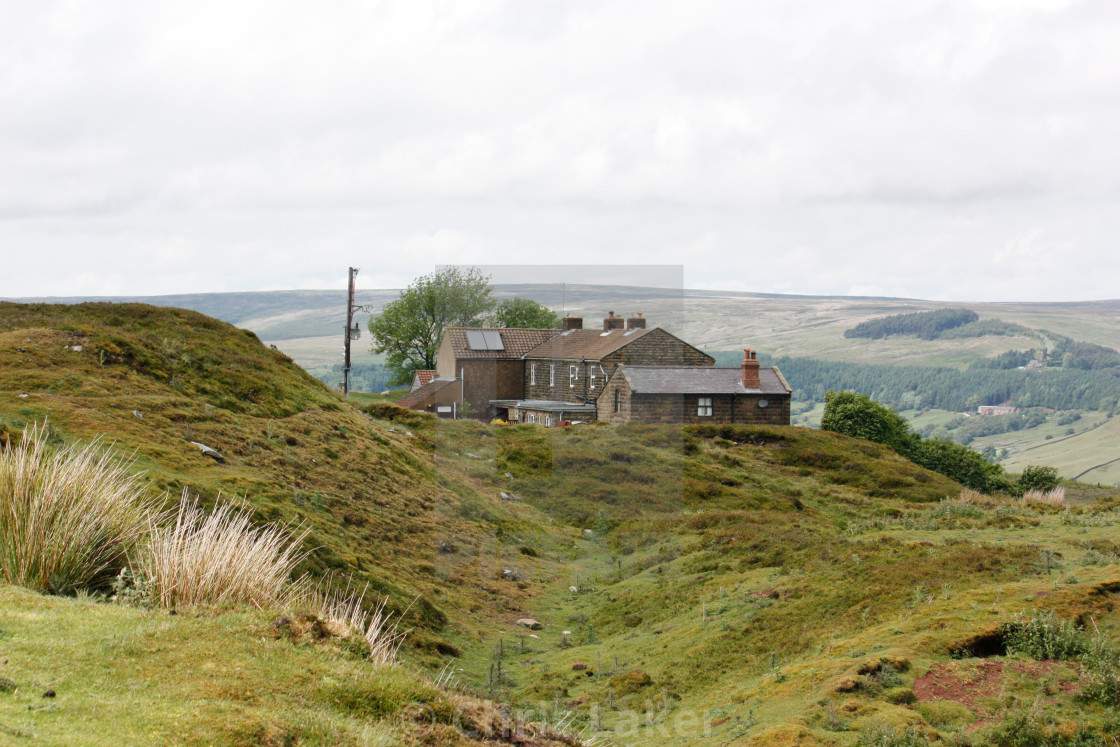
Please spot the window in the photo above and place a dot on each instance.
(552, 375)
(532, 374)
(704, 406)
(572, 377)
(547, 421)
(618, 400)
(591, 376)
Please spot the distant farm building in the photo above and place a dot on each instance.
(995, 410)
(626, 372)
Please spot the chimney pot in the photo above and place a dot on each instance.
(749, 369)
(636, 322)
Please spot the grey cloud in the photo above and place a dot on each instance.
(277, 139)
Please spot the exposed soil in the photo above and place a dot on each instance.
(967, 685)
(947, 681)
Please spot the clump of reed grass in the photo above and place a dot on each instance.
(219, 558)
(1054, 497)
(69, 516)
(73, 519)
(344, 611)
(968, 495)
(383, 635)
(341, 609)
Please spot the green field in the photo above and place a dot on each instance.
(1092, 454)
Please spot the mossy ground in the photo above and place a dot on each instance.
(730, 582)
(83, 671)
(750, 574)
(153, 380)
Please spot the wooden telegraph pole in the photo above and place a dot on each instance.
(352, 333)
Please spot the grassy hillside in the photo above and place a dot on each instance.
(155, 380)
(80, 671)
(733, 584)
(692, 586)
(378, 507)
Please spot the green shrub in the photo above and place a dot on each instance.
(1102, 682)
(631, 682)
(900, 696)
(1023, 729)
(946, 714)
(886, 735)
(1044, 637)
(1038, 478)
(859, 416)
(959, 463)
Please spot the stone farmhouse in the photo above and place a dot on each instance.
(627, 372)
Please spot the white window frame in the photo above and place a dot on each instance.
(547, 421)
(552, 374)
(532, 374)
(618, 400)
(591, 377)
(573, 377)
(704, 407)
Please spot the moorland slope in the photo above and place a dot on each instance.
(692, 586)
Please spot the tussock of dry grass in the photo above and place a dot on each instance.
(1055, 497)
(69, 516)
(345, 610)
(219, 558)
(383, 635)
(336, 608)
(968, 495)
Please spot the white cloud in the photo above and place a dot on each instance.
(801, 146)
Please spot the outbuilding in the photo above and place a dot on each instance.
(697, 394)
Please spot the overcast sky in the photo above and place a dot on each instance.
(958, 149)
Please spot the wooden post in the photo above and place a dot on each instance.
(346, 343)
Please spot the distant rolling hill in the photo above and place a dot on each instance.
(307, 324)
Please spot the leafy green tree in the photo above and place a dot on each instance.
(1038, 478)
(959, 463)
(524, 313)
(859, 416)
(408, 331)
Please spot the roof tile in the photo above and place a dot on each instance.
(700, 380)
(517, 342)
(592, 344)
(416, 396)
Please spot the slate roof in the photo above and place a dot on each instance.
(700, 380)
(417, 396)
(589, 344)
(517, 342)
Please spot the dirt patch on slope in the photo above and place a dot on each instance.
(969, 684)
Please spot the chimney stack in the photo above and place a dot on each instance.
(636, 322)
(613, 322)
(573, 322)
(750, 370)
